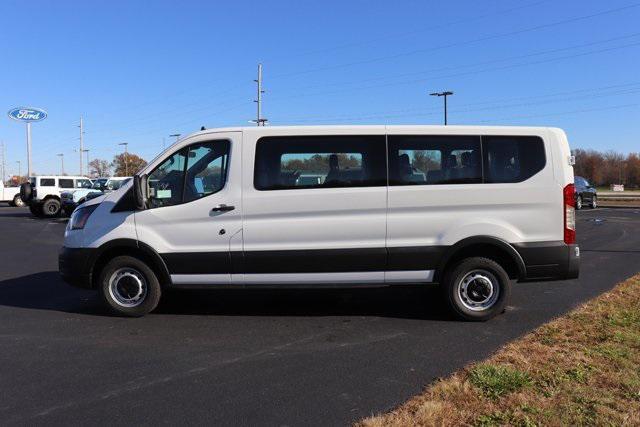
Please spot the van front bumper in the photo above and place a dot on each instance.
(75, 267)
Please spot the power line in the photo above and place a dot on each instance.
(474, 72)
(462, 110)
(476, 17)
(461, 43)
(471, 65)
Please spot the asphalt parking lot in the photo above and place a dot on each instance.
(252, 357)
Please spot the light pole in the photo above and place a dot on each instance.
(126, 158)
(19, 170)
(61, 155)
(176, 136)
(445, 94)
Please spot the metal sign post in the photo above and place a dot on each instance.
(28, 149)
(28, 115)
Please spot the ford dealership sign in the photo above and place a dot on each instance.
(27, 114)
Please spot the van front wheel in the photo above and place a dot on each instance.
(129, 287)
(477, 289)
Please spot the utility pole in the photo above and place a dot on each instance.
(445, 94)
(87, 151)
(126, 158)
(61, 155)
(81, 144)
(3, 157)
(259, 120)
(19, 170)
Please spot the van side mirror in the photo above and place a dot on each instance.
(140, 191)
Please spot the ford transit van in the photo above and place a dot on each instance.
(471, 209)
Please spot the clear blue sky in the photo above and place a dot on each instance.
(140, 71)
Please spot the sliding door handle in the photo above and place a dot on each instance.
(223, 208)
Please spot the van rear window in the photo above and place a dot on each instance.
(512, 158)
(432, 159)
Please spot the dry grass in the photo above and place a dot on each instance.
(580, 369)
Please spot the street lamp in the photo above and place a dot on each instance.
(445, 94)
(19, 169)
(126, 158)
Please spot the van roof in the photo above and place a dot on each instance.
(449, 129)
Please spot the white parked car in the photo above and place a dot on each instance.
(42, 193)
(10, 195)
(72, 198)
(469, 208)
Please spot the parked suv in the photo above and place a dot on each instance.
(71, 199)
(42, 193)
(471, 209)
(585, 193)
(10, 195)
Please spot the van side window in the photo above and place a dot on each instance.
(320, 162)
(512, 158)
(428, 160)
(47, 182)
(193, 172)
(65, 183)
(206, 169)
(167, 180)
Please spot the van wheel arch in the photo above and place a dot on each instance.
(492, 248)
(134, 249)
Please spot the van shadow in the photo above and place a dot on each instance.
(46, 291)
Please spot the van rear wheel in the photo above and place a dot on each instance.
(477, 289)
(129, 287)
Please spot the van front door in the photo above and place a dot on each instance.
(194, 210)
(314, 208)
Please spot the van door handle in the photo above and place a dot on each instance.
(223, 208)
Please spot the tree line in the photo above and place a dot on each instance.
(606, 168)
(124, 164)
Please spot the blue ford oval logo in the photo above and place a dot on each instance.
(27, 114)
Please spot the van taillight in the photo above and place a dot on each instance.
(569, 214)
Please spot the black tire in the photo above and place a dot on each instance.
(472, 281)
(137, 291)
(36, 210)
(17, 201)
(594, 202)
(51, 208)
(579, 203)
(26, 192)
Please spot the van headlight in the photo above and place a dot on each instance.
(80, 216)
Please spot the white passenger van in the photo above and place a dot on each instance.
(469, 208)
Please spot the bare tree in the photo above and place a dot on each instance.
(99, 167)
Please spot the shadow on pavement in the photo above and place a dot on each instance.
(46, 291)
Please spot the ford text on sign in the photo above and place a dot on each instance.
(27, 114)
